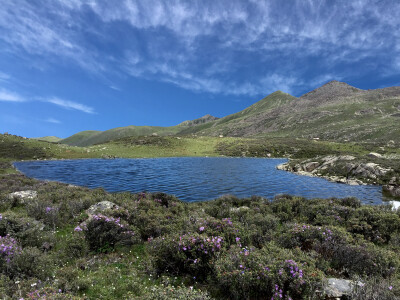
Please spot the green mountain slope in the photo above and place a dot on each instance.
(78, 139)
(51, 139)
(88, 138)
(335, 111)
(233, 125)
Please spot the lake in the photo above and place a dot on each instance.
(194, 178)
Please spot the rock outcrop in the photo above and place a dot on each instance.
(341, 169)
(22, 196)
(337, 288)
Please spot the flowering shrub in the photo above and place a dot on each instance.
(103, 233)
(189, 253)
(8, 249)
(254, 273)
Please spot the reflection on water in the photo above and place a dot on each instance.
(194, 178)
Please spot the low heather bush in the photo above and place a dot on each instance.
(31, 262)
(103, 233)
(28, 231)
(271, 272)
(175, 293)
(9, 248)
(186, 254)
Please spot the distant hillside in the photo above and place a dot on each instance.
(88, 138)
(78, 139)
(241, 123)
(202, 120)
(51, 139)
(335, 111)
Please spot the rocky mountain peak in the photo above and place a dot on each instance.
(332, 90)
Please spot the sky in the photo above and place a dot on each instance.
(70, 65)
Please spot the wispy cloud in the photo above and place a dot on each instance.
(71, 105)
(206, 46)
(10, 96)
(4, 76)
(52, 120)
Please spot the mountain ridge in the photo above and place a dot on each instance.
(333, 111)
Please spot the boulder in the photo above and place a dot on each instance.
(375, 155)
(393, 190)
(22, 196)
(311, 166)
(101, 207)
(336, 288)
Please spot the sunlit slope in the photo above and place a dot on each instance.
(87, 138)
(51, 139)
(335, 111)
(78, 139)
(243, 120)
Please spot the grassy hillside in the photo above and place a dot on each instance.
(231, 123)
(52, 139)
(78, 139)
(87, 138)
(336, 111)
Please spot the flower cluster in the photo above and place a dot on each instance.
(294, 269)
(100, 217)
(8, 247)
(204, 245)
(323, 234)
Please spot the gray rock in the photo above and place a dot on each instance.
(101, 207)
(23, 196)
(375, 155)
(238, 209)
(337, 288)
(393, 190)
(311, 166)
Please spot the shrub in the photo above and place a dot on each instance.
(247, 273)
(375, 288)
(104, 233)
(49, 293)
(186, 254)
(9, 248)
(28, 231)
(175, 293)
(31, 262)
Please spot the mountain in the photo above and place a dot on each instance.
(202, 120)
(335, 111)
(88, 138)
(242, 122)
(52, 139)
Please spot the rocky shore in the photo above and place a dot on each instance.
(347, 169)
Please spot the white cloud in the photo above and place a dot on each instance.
(52, 120)
(4, 76)
(175, 37)
(10, 96)
(71, 105)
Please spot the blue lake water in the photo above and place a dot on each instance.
(194, 178)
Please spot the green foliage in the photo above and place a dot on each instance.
(269, 272)
(31, 262)
(104, 233)
(175, 293)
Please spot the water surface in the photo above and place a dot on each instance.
(194, 178)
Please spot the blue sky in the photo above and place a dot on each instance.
(67, 66)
